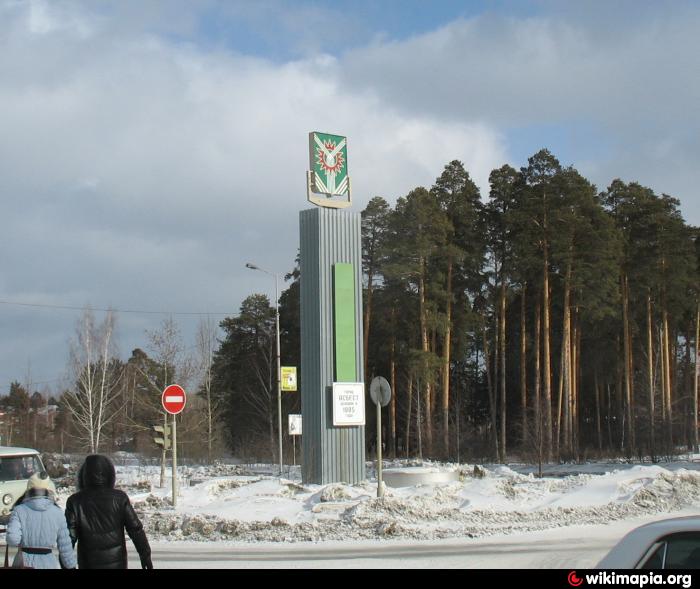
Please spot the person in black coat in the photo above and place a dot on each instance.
(97, 516)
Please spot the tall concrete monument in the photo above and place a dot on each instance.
(332, 379)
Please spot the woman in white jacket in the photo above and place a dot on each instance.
(37, 524)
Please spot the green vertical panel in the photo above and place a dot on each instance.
(344, 319)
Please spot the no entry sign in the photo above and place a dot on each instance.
(174, 399)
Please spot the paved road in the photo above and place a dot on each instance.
(524, 551)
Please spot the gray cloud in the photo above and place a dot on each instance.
(140, 170)
(139, 173)
(636, 83)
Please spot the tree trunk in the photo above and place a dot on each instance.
(619, 394)
(697, 378)
(628, 361)
(598, 429)
(492, 396)
(688, 390)
(662, 369)
(560, 399)
(667, 384)
(392, 380)
(162, 454)
(408, 414)
(538, 372)
(565, 376)
(446, 365)
(575, 383)
(633, 400)
(502, 349)
(419, 423)
(547, 357)
(425, 348)
(609, 420)
(523, 367)
(210, 427)
(650, 369)
(366, 324)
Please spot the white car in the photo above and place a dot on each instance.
(665, 544)
(16, 466)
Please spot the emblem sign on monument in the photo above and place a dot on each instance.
(328, 178)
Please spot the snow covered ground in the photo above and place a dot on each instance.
(237, 504)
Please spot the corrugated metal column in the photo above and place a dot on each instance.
(328, 237)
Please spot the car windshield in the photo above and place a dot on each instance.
(17, 468)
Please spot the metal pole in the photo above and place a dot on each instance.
(696, 447)
(419, 420)
(279, 368)
(174, 461)
(163, 456)
(279, 373)
(380, 488)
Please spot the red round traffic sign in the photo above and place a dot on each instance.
(174, 399)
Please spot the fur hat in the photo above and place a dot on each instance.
(40, 481)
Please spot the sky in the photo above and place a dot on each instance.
(148, 150)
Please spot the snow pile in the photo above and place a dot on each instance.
(233, 504)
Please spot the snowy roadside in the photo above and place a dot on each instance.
(571, 547)
(228, 503)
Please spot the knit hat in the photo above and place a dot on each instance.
(40, 481)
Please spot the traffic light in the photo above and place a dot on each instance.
(164, 431)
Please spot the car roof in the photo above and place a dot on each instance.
(12, 451)
(628, 552)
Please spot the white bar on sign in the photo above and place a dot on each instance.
(174, 399)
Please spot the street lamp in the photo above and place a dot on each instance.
(279, 369)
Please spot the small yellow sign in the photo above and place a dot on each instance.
(289, 378)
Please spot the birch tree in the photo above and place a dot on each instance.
(168, 350)
(93, 401)
(206, 346)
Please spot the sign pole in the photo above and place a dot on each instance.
(174, 400)
(174, 461)
(279, 374)
(380, 486)
(380, 392)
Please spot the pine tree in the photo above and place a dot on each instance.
(418, 232)
(504, 185)
(537, 221)
(460, 258)
(375, 227)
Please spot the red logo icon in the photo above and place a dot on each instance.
(574, 581)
